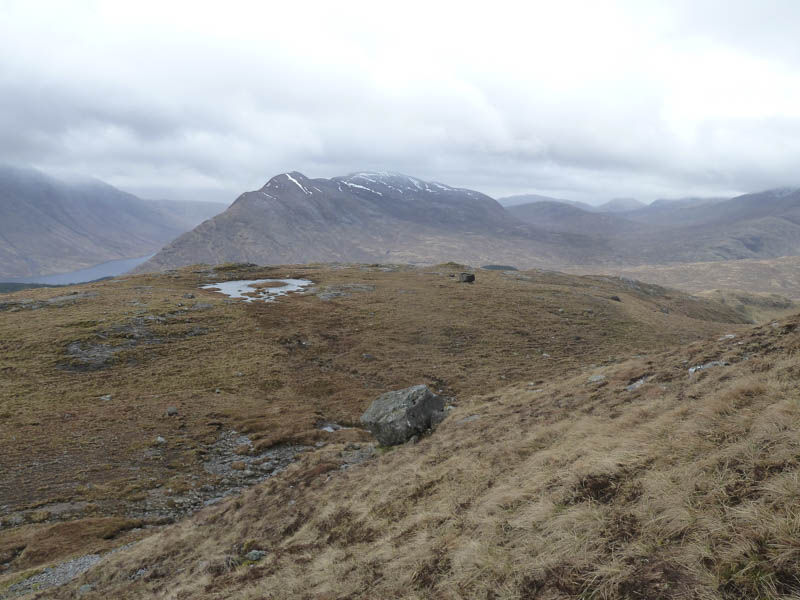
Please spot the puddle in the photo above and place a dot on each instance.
(257, 289)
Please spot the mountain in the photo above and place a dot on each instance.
(510, 201)
(763, 225)
(52, 226)
(393, 218)
(618, 205)
(568, 218)
(368, 217)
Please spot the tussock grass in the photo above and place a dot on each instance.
(684, 488)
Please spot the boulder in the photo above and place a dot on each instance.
(466, 277)
(395, 417)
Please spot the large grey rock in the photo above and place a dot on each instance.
(395, 417)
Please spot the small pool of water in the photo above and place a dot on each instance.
(250, 289)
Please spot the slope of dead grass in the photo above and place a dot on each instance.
(686, 487)
(276, 371)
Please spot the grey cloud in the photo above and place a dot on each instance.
(186, 110)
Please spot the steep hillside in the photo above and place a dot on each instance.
(369, 217)
(142, 399)
(659, 474)
(401, 219)
(51, 226)
(764, 225)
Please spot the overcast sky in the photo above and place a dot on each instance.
(583, 100)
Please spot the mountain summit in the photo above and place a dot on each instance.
(364, 217)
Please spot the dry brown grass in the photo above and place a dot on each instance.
(687, 487)
(282, 368)
(779, 276)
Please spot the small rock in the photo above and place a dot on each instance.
(106, 398)
(160, 440)
(469, 419)
(172, 411)
(217, 391)
(85, 589)
(597, 378)
(616, 298)
(730, 336)
(466, 277)
(708, 365)
(637, 384)
(189, 296)
(255, 555)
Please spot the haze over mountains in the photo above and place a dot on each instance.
(368, 217)
(50, 226)
(397, 218)
(53, 226)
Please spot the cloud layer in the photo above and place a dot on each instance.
(583, 100)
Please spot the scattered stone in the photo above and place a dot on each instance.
(85, 589)
(466, 277)
(346, 289)
(189, 296)
(597, 378)
(53, 576)
(730, 336)
(172, 411)
(396, 416)
(469, 419)
(160, 441)
(106, 398)
(255, 555)
(616, 298)
(708, 365)
(90, 357)
(637, 384)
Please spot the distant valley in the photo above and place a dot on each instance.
(51, 226)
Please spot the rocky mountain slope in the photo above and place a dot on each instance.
(562, 217)
(396, 218)
(369, 217)
(604, 438)
(52, 226)
(753, 226)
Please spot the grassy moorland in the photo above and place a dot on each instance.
(685, 487)
(774, 276)
(539, 483)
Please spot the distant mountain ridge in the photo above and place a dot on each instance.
(390, 217)
(367, 216)
(51, 226)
